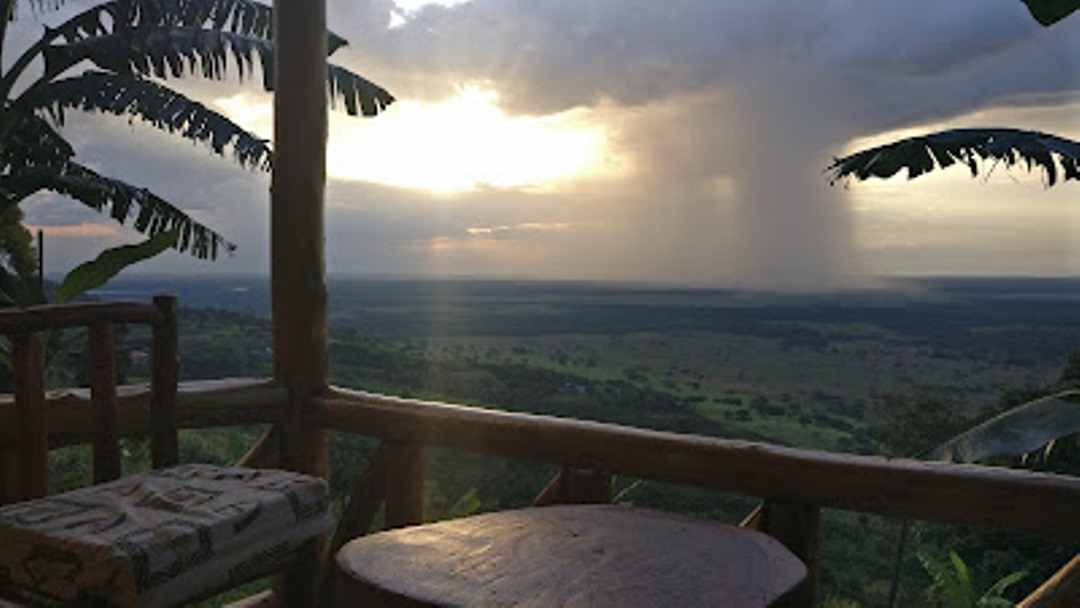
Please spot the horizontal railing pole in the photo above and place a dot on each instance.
(995, 498)
(199, 404)
(58, 316)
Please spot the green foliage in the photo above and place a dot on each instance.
(1020, 430)
(924, 153)
(1070, 374)
(1049, 12)
(467, 504)
(910, 427)
(954, 585)
(109, 263)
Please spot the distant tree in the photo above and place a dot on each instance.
(1070, 375)
(909, 427)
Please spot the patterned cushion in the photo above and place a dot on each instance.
(162, 537)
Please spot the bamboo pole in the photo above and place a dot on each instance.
(297, 242)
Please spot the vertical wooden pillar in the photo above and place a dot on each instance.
(297, 233)
(577, 487)
(9, 475)
(798, 527)
(28, 355)
(164, 450)
(404, 484)
(297, 244)
(103, 396)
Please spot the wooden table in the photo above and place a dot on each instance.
(596, 555)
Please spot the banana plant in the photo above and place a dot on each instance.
(1056, 156)
(132, 47)
(954, 586)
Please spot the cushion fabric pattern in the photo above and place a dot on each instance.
(160, 538)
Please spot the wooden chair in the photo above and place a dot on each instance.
(175, 534)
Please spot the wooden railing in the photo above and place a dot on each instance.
(24, 458)
(794, 484)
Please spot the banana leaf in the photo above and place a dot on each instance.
(1021, 430)
(97, 272)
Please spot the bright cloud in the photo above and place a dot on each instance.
(468, 142)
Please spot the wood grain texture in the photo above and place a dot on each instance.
(993, 498)
(596, 555)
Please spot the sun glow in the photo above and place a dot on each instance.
(463, 143)
(468, 142)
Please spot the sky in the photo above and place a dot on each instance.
(677, 142)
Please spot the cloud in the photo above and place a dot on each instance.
(723, 113)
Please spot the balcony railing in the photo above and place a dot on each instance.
(794, 484)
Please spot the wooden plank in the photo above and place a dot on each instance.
(164, 448)
(199, 404)
(74, 314)
(28, 355)
(404, 484)
(994, 498)
(1061, 591)
(102, 364)
(797, 527)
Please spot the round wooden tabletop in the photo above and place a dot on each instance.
(594, 555)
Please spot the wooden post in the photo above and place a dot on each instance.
(1061, 590)
(404, 484)
(368, 494)
(798, 527)
(577, 486)
(103, 396)
(9, 475)
(297, 242)
(163, 434)
(28, 352)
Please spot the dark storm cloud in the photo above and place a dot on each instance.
(552, 55)
(729, 109)
(753, 95)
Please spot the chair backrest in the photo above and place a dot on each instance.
(24, 327)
